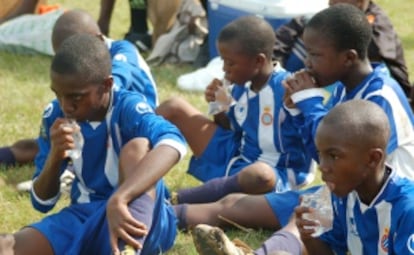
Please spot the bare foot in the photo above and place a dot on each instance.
(6, 244)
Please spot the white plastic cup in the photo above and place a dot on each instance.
(322, 214)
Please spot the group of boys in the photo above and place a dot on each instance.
(276, 126)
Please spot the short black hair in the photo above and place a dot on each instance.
(73, 22)
(83, 55)
(255, 35)
(345, 26)
(361, 121)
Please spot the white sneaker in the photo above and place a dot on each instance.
(66, 180)
(199, 79)
(25, 186)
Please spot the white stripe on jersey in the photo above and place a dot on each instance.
(384, 223)
(265, 134)
(353, 241)
(403, 127)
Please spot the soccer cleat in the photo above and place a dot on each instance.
(210, 240)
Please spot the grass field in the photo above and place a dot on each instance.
(24, 82)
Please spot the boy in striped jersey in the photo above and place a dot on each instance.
(372, 205)
(337, 40)
(253, 147)
(332, 58)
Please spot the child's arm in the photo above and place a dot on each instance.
(313, 245)
(220, 118)
(303, 100)
(46, 184)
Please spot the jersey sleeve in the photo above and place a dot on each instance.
(51, 112)
(310, 111)
(404, 237)
(139, 120)
(131, 72)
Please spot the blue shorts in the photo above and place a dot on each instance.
(283, 204)
(83, 228)
(222, 147)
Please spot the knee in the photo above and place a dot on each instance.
(171, 108)
(267, 180)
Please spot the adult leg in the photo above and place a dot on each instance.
(138, 31)
(195, 126)
(235, 208)
(256, 178)
(26, 241)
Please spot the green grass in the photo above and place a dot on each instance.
(24, 82)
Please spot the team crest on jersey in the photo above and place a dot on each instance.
(120, 57)
(410, 244)
(267, 117)
(48, 111)
(142, 107)
(384, 240)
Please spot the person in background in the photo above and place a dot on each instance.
(14, 8)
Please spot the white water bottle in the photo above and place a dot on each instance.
(78, 139)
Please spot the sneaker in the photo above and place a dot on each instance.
(66, 180)
(199, 79)
(210, 240)
(141, 41)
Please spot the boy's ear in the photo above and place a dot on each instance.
(350, 57)
(260, 59)
(376, 156)
(108, 83)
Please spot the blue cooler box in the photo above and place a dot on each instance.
(276, 12)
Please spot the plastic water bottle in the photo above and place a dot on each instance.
(223, 99)
(78, 139)
(321, 202)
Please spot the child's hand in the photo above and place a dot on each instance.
(286, 96)
(306, 227)
(122, 225)
(299, 81)
(210, 92)
(61, 138)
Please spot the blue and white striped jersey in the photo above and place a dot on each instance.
(379, 88)
(267, 131)
(130, 71)
(129, 116)
(384, 227)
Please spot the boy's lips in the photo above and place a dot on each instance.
(331, 185)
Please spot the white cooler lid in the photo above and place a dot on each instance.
(273, 8)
